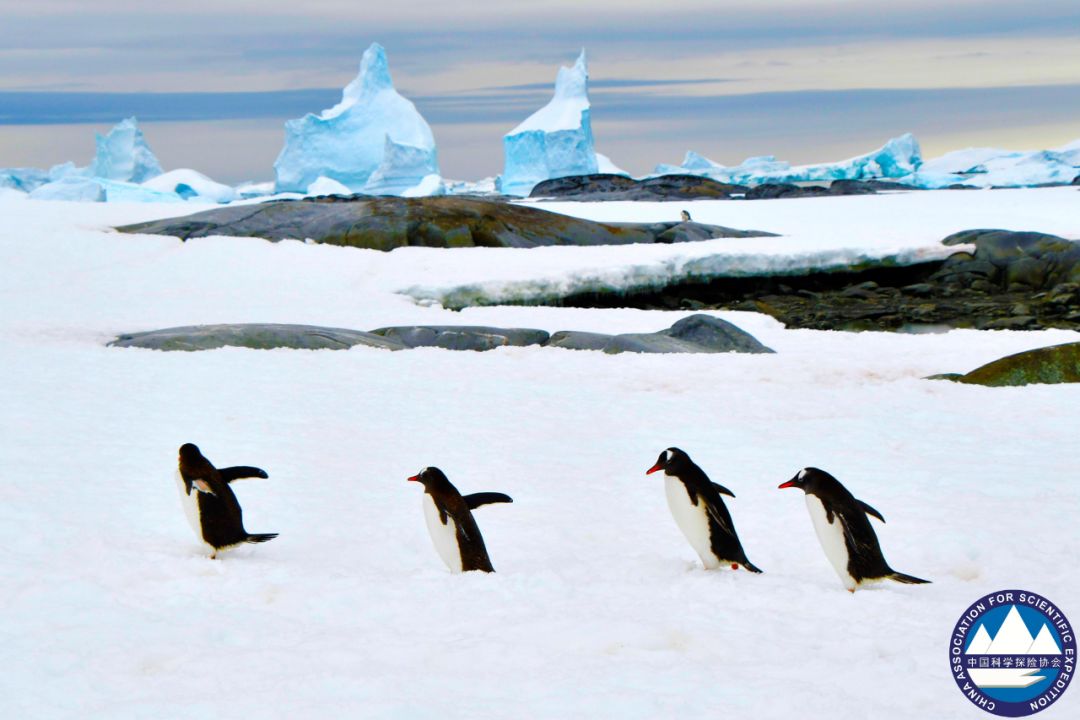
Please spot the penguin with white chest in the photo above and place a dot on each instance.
(210, 504)
(844, 530)
(450, 522)
(700, 513)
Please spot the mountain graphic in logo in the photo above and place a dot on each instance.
(1012, 658)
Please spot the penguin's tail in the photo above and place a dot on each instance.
(751, 567)
(907, 579)
(260, 537)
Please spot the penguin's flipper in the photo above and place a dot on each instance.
(260, 537)
(870, 511)
(240, 472)
(907, 579)
(723, 490)
(751, 567)
(485, 498)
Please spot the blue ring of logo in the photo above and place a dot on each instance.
(1012, 653)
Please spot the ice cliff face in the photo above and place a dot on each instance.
(123, 155)
(556, 140)
(373, 131)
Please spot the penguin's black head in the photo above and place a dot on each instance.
(671, 461)
(432, 478)
(189, 453)
(806, 480)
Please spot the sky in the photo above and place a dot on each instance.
(805, 80)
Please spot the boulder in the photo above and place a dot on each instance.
(694, 334)
(1048, 365)
(258, 336)
(462, 337)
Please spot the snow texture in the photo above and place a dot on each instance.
(123, 155)
(556, 140)
(372, 134)
(191, 184)
(111, 609)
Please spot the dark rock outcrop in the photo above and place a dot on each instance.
(694, 334)
(1048, 365)
(693, 187)
(258, 336)
(462, 337)
(385, 223)
(1011, 260)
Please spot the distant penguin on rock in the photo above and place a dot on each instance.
(685, 215)
(844, 530)
(450, 521)
(210, 504)
(700, 513)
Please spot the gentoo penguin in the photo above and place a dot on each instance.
(449, 518)
(844, 530)
(209, 502)
(685, 216)
(700, 512)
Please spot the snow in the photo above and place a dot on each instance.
(191, 184)
(556, 140)
(373, 129)
(111, 609)
(327, 186)
(123, 155)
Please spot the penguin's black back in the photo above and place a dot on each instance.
(220, 516)
(865, 559)
(722, 536)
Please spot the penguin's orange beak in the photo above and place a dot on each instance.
(789, 483)
(654, 468)
(414, 478)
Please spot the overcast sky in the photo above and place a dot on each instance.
(806, 80)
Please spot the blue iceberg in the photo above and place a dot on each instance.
(349, 142)
(123, 155)
(898, 158)
(556, 140)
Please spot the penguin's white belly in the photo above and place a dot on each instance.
(191, 505)
(443, 537)
(692, 519)
(831, 536)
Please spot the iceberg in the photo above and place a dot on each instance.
(327, 186)
(191, 185)
(898, 158)
(123, 155)
(95, 189)
(556, 140)
(372, 130)
(24, 179)
(990, 167)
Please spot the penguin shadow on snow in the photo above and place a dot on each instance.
(450, 522)
(210, 504)
(699, 511)
(842, 524)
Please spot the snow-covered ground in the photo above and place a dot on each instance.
(599, 607)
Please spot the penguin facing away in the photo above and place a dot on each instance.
(700, 512)
(210, 504)
(844, 530)
(450, 522)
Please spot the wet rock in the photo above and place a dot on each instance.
(1019, 322)
(918, 290)
(574, 340)
(385, 223)
(462, 337)
(1049, 365)
(258, 336)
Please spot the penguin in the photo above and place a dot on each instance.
(844, 530)
(685, 215)
(210, 504)
(700, 513)
(450, 522)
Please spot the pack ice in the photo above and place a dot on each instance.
(373, 141)
(556, 140)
